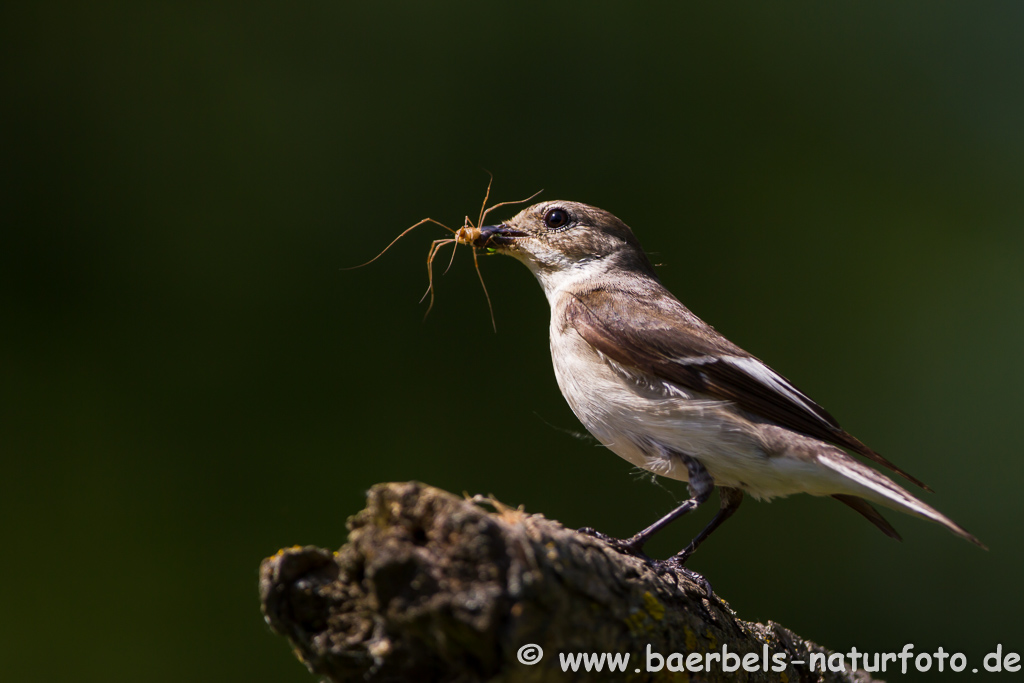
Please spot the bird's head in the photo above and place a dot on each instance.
(564, 241)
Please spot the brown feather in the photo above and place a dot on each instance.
(649, 329)
(874, 516)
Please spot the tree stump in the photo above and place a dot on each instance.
(434, 587)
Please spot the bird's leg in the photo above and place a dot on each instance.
(730, 503)
(701, 485)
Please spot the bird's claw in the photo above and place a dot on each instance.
(675, 563)
(634, 548)
(628, 546)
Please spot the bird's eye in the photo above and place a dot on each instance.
(556, 218)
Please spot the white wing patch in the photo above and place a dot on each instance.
(768, 377)
(696, 360)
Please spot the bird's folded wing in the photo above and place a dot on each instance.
(659, 336)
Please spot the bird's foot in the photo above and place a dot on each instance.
(675, 564)
(633, 547)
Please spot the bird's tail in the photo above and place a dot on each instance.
(878, 488)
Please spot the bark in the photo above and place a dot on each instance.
(433, 587)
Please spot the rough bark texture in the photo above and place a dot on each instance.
(433, 587)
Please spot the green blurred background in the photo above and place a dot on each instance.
(191, 381)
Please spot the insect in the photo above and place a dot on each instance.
(467, 234)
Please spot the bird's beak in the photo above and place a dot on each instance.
(497, 236)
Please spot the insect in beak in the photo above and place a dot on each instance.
(488, 237)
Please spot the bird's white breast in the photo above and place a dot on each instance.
(644, 420)
(641, 421)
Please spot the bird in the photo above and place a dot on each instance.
(664, 390)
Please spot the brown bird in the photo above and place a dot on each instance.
(661, 388)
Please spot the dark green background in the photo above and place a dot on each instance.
(189, 381)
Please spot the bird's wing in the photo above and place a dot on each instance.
(659, 336)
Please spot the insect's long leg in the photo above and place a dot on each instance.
(483, 207)
(404, 233)
(476, 264)
(435, 247)
(500, 204)
(452, 259)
